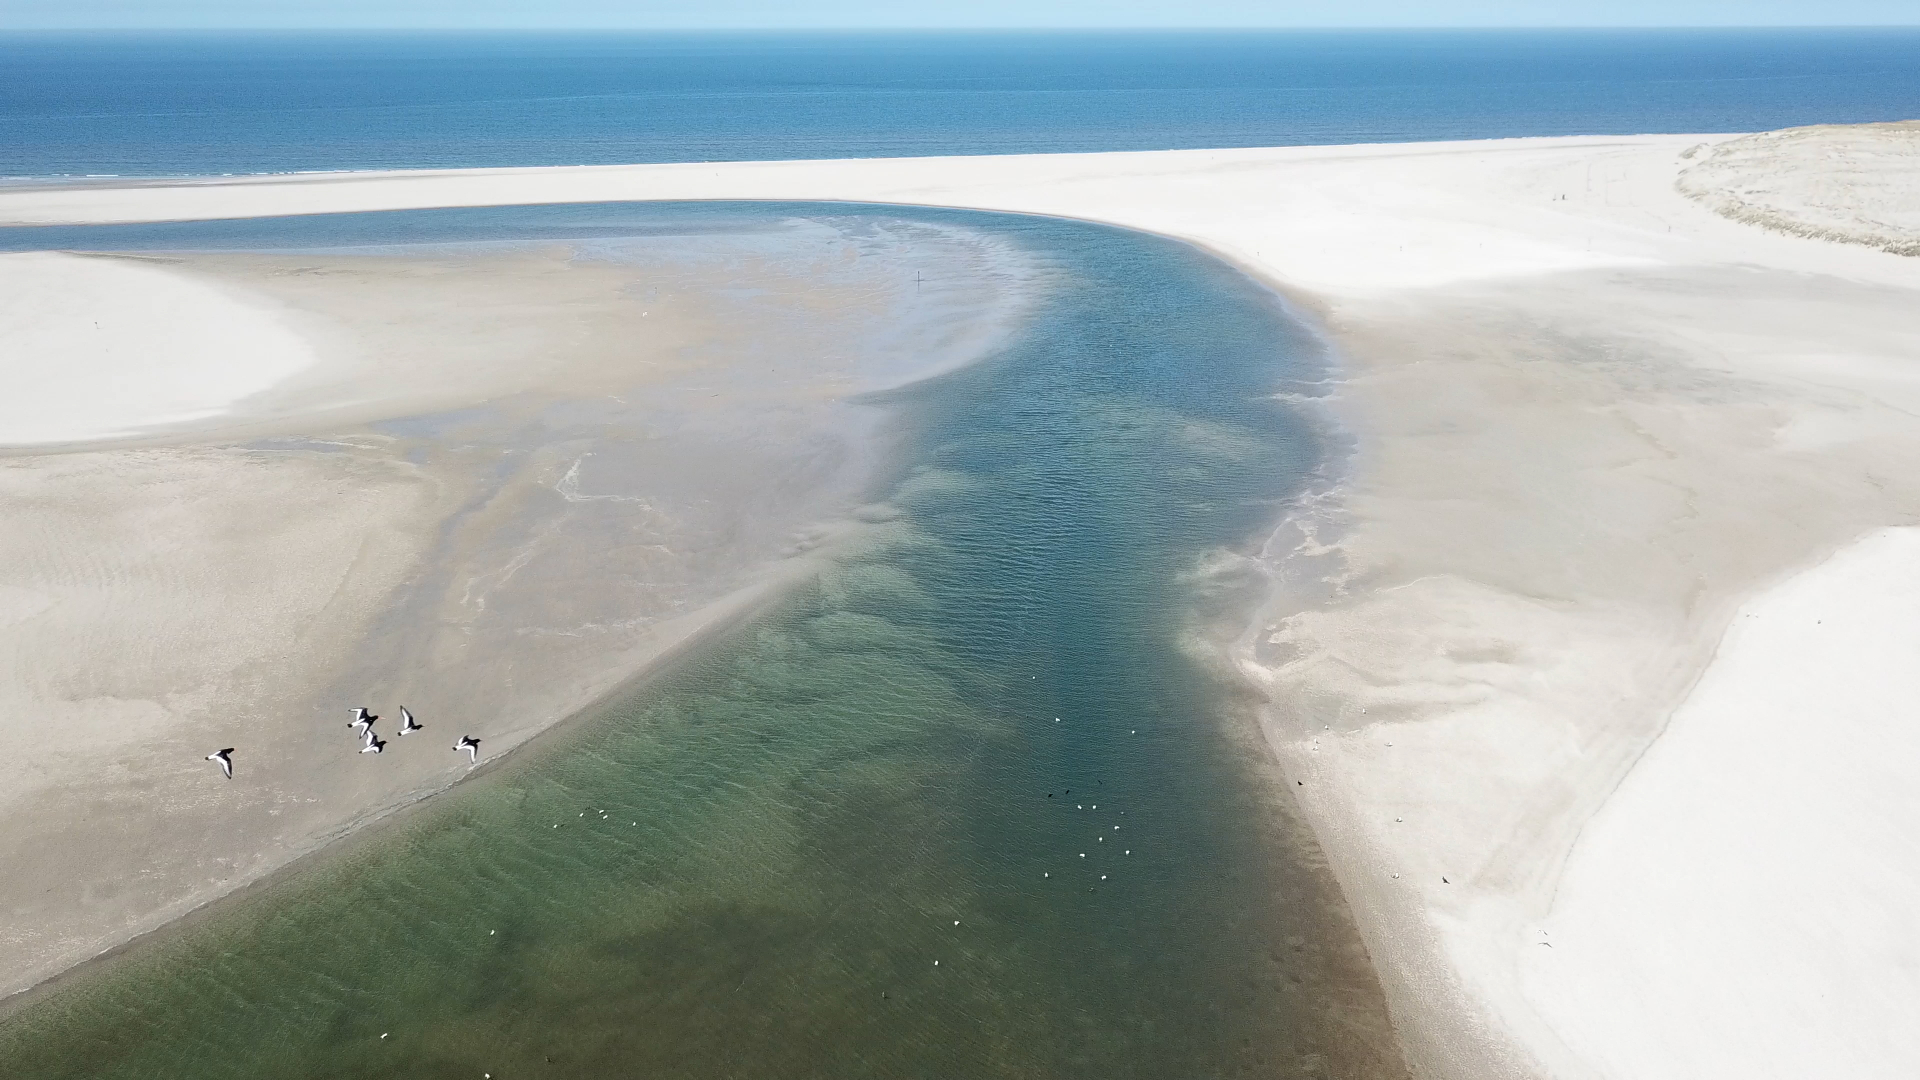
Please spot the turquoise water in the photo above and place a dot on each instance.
(194, 103)
(962, 805)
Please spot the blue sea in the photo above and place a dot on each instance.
(169, 104)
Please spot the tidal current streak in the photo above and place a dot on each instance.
(962, 805)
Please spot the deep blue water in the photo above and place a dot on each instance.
(200, 103)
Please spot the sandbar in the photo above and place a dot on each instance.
(1599, 424)
(494, 487)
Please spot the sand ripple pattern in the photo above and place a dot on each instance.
(960, 805)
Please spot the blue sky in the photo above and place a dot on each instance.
(665, 14)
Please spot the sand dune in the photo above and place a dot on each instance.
(1852, 183)
(1592, 419)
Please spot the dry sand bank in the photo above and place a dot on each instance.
(170, 350)
(1558, 500)
(499, 486)
(1591, 419)
(1717, 922)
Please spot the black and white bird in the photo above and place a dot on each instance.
(374, 744)
(363, 719)
(407, 722)
(225, 758)
(472, 746)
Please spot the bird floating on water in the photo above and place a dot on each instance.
(472, 746)
(408, 724)
(225, 758)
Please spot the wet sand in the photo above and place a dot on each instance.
(824, 842)
(506, 483)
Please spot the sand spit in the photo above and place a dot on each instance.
(1592, 419)
(1833, 182)
(502, 485)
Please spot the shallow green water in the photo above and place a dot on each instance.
(848, 837)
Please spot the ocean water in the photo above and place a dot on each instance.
(168, 104)
(965, 804)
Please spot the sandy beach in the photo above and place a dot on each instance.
(1589, 671)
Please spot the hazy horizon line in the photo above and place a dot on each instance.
(1143, 28)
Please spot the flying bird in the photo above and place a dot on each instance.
(363, 719)
(472, 746)
(374, 745)
(407, 722)
(225, 758)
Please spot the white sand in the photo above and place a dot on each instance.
(1743, 906)
(1592, 418)
(162, 350)
(1347, 218)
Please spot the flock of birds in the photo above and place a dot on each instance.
(363, 722)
